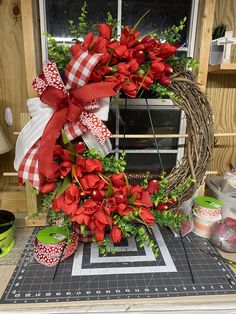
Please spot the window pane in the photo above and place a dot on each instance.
(136, 121)
(150, 162)
(163, 14)
(58, 12)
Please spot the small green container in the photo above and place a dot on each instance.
(7, 231)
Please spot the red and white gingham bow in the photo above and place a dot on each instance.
(89, 125)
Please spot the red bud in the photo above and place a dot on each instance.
(152, 187)
(168, 69)
(161, 207)
(96, 196)
(164, 80)
(48, 187)
(82, 195)
(116, 234)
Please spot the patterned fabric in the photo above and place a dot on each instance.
(95, 125)
(78, 69)
(50, 77)
(82, 238)
(28, 169)
(49, 254)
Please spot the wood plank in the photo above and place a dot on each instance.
(12, 79)
(13, 201)
(223, 68)
(221, 90)
(204, 43)
(29, 45)
(225, 12)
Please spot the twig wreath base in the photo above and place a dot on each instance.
(200, 141)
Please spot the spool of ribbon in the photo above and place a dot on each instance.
(77, 110)
(49, 243)
(207, 207)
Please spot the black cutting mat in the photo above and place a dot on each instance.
(131, 273)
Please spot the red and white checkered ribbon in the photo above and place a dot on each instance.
(89, 126)
(79, 68)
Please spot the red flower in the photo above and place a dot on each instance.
(142, 197)
(121, 195)
(123, 68)
(134, 65)
(140, 57)
(81, 219)
(97, 195)
(93, 165)
(65, 168)
(48, 187)
(92, 181)
(147, 216)
(124, 210)
(118, 180)
(78, 171)
(161, 207)
(88, 40)
(167, 50)
(97, 74)
(157, 68)
(58, 203)
(101, 217)
(88, 208)
(168, 69)
(80, 148)
(80, 161)
(105, 30)
(109, 205)
(121, 52)
(116, 234)
(145, 81)
(130, 89)
(72, 194)
(99, 234)
(153, 186)
(129, 37)
(70, 209)
(74, 49)
(164, 80)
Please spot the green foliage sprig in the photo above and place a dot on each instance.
(58, 52)
(184, 63)
(79, 31)
(169, 218)
(171, 34)
(163, 92)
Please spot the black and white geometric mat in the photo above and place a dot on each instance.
(130, 273)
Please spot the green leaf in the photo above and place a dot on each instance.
(83, 229)
(64, 186)
(132, 199)
(109, 192)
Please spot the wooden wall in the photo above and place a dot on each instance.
(13, 91)
(221, 89)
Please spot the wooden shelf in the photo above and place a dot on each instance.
(224, 68)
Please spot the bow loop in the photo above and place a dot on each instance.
(54, 97)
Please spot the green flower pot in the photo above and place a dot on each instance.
(7, 231)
